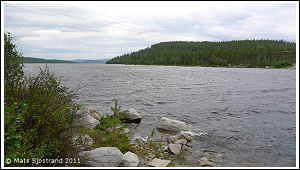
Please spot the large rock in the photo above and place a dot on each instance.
(168, 124)
(175, 148)
(103, 157)
(159, 162)
(130, 159)
(131, 116)
(88, 121)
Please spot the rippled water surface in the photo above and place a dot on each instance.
(249, 114)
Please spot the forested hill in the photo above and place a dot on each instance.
(41, 60)
(242, 53)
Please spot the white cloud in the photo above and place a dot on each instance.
(95, 30)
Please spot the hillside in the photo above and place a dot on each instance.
(242, 53)
(41, 60)
(90, 61)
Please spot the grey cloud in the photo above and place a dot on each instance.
(66, 32)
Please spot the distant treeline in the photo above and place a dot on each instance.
(41, 60)
(242, 53)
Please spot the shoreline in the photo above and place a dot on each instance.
(293, 67)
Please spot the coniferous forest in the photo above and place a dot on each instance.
(240, 53)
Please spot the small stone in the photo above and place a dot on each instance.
(159, 162)
(172, 139)
(181, 141)
(165, 148)
(186, 135)
(94, 112)
(140, 139)
(151, 156)
(186, 148)
(175, 148)
(95, 115)
(219, 156)
(92, 109)
(206, 162)
(130, 159)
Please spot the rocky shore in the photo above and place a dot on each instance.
(177, 144)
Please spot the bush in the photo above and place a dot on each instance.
(40, 114)
(110, 131)
(13, 65)
(13, 120)
(47, 113)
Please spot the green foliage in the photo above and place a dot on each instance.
(217, 61)
(39, 115)
(13, 61)
(13, 65)
(150, 147)
(46, 111)
(282, 64)
(246, 53)
(110, 131)
(13, 119)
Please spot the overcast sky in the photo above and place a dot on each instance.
(97, 30)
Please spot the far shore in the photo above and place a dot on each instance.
(293, 67)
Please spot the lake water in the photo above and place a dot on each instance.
(249, 114)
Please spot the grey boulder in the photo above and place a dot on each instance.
(88, 121)
(103, 157)
(159, 162)
(172, 125)
(131, 116)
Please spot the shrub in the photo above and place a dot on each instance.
(13, 65)
(13, 119)
(40, 113)
(110, 131)
(47, 113)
